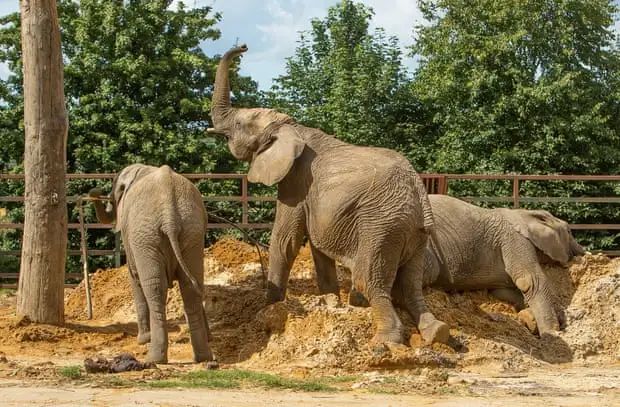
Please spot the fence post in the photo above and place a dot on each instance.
(117, 249)
(244, 200)
(515, 192)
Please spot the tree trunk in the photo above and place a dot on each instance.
(44, 243)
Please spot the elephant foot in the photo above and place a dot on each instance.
(274, 294)
(384, 337)
(527, 319)
(144, 337)
(157, 357)
(204, 357)
(433, 330)
(357, 299)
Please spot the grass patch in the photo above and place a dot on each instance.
(7, 292)
(70, 372)
(233, 378)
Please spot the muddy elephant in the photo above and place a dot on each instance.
(162, 221)
(498, 250)
(365, 207)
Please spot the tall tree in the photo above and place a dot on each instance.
(525, 86)
(41, 283)
(348, 80)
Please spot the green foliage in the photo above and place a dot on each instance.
(70, 372)
(349, 82)
(233, 378)
(138, 88)
(524, 86)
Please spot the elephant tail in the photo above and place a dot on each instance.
(176, 248)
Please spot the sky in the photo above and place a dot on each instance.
(271, 28)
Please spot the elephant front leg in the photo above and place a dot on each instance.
(523, 268)
(326, 276)
(286, 238)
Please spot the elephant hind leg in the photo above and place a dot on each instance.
(408, 293)
(195, 314)
(154, 282)
(371, 277)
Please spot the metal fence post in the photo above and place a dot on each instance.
(515, 192)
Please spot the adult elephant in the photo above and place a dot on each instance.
(365, 207)
(162, 221)
(498, 250)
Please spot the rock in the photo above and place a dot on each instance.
(273, 317)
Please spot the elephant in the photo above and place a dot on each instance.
(365, 207)
(162, 221)
(499, 250)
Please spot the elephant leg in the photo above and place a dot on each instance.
(408, 293)
(373, 276)
(523, 268)
(194, 311)
(327, 278)
(153, 279)
(142, 309)
(286, 238)
(510, 295)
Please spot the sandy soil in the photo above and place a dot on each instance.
(491, 357)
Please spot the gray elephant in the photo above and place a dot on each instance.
(162, 221)
(498, 250)
(365, 207)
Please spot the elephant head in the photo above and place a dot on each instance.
(548, 234)
(120, 185)
(264, 137)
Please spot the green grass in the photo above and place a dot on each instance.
(233, 378)
(71, 372)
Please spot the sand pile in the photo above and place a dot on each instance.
(309, 332)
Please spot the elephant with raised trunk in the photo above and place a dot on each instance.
(499, 250)
(162, 221)
(365, 207)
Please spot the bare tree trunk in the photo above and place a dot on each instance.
(44, 244)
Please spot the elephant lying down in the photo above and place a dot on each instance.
(162, 221)
(498, 250)
(495, 249)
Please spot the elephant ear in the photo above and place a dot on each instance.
(547, 233)
(274, 160)
(125, 179)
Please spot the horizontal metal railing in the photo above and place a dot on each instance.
(434, 183)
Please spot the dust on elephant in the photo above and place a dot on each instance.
(365, 207)
(498, 250)
(162, 221)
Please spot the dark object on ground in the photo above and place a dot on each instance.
(122, 363)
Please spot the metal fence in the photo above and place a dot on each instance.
(434, 183)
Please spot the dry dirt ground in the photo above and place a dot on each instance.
(491, 358)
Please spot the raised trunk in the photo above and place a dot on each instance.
(104, 215)
(220, 103)
(44, 243)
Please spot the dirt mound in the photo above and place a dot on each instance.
(322, 334)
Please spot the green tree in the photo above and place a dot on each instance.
(524, 86)
(349, 81)
(138, 87)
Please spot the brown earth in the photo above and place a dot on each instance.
(309, 334)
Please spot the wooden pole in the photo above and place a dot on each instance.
(40, 294)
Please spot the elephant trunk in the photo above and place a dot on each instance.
(220, 103)
(105, 214)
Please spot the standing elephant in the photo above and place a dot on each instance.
(498, 250)
(365, 207)
(162, 221)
